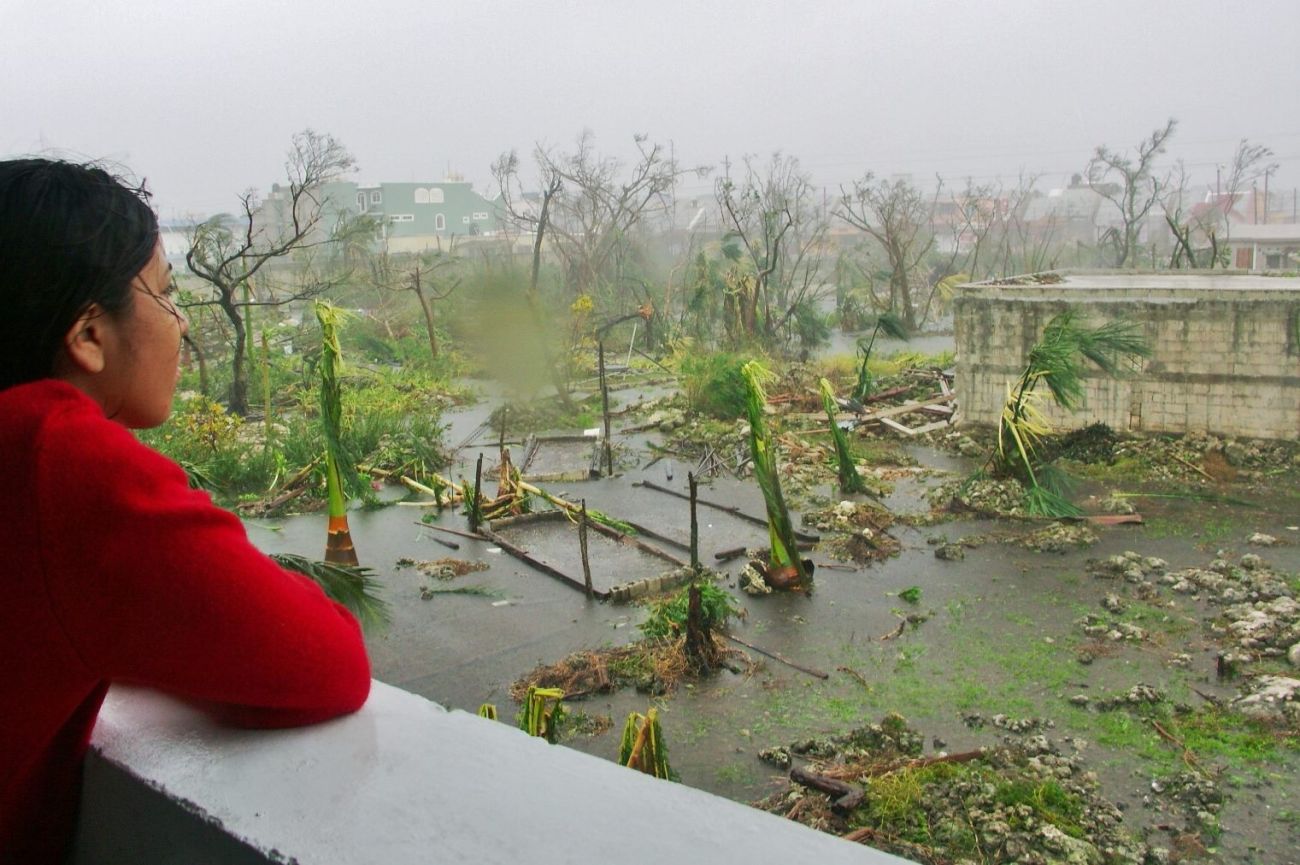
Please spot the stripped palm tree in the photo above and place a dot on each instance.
(353, 586)
(542, 713)
(892, 326)
(1056, 360)
(850, 480)
(643, 748)
(784, 569)
(338, 543)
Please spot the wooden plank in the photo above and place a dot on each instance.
(1114, 519)
(898, 427)
(931, 427)
(899, 410)
(938, 409)
(532, 561)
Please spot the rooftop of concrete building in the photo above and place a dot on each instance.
(1140, 281)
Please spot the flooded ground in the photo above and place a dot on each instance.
(994, 635)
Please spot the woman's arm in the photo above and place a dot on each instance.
(157, 586)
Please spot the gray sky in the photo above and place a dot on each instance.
(202, 98)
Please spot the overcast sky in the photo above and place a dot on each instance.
(202, 98)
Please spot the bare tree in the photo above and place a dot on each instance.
(431, 277)
(229, 256)
(1191, 231)
(974, 217)
(773, 212)
(1129, 183)
(1249, 163)
(1020, 247)
(898, 217)
(591, 207)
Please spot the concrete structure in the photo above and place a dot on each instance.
(1225, 350)
(1264, 247)
(402, 782)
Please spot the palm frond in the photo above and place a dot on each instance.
(1042, 502)
(353, 586)
(1107, 345)
(892, 326)
(1022, 425)
(1052, 478)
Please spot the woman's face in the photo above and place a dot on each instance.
(142, 350)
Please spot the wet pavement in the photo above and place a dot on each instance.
(999, 634)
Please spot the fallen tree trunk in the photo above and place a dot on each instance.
(844, 797)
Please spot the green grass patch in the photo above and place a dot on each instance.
(1212, 737)
(899, 804)
(1050, 803)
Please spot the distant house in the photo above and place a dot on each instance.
(1065, 215)
(413, 217)
(409, 217)
(1264, 247)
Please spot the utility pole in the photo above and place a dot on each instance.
(1267, 172)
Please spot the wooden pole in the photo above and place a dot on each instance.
(582, 545)
(604, 400)
(695, 525)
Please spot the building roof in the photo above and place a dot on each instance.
(1251, 233)
(1080, 285)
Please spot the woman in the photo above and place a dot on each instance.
(113, 569)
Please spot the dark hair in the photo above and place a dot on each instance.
(70, 236)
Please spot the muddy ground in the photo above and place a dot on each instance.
(1071, 640)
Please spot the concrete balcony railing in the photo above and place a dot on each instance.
(402, 781)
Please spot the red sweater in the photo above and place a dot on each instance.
(114, 570)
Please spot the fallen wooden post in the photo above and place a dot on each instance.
(651, 533)
(534, 562)
(1113, 519)
(844, 797)
(779, 657)
(730, 509)
(457, 532)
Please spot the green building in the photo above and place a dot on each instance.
(418, 216)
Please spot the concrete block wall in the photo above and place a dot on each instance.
(1225, 353)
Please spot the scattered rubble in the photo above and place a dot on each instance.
(1059, 537)
(1275, 699)
(860, 531)
(443, 569)
(1027, 802)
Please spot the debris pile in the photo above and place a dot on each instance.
(860, 531)
(984, 496)
(1025, 801)
(1059, 538)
